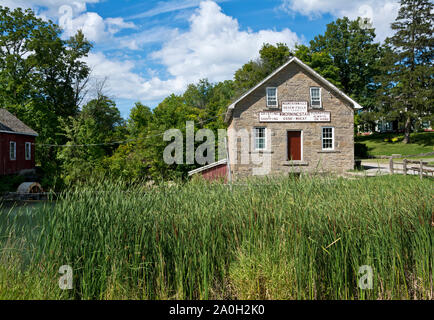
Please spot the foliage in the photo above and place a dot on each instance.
(348, 56)
(407, 73)
(265, 239)
(360, 150)
(10, 183)
(99, 122)
(270, 58)
(41, 76)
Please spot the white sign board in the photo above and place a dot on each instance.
(320, 116)
(294, 107)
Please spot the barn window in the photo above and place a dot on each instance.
(28, 151)
(315, 97)
(272, 97)
(260, 139)
(12, 150)
(328, 139)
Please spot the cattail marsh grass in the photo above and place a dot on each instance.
(269, 238)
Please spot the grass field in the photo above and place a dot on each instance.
(422, 142)
(279, 238)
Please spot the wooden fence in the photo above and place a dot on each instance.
(420, 166)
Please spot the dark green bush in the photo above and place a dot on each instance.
(360, 150)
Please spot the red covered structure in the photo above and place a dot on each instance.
(213, 171)
(17, 152)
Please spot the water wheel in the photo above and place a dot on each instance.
(29, 187)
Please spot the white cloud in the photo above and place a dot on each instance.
(72, 16)
(136, 41)
(49, 7)
(213, 47)
(382, 12)
(94, 27)
(170, 6)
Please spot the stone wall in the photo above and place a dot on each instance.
(293, 84)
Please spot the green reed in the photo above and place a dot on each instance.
(270, 238)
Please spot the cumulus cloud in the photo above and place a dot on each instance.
(72, 16)
(381, 12)
(94, 27)
(214, 46)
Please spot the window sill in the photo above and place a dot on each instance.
(329, 151)
(295, 163)
(261, 152)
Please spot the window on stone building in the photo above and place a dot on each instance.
(272, 97)
(328, 139)
(315, 97)
(260, 139)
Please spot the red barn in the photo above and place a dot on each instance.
(17, 152)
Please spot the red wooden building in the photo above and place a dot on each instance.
(17, 140)
(213, 171)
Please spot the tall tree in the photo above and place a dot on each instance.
(408, 74)
(270, 58)
(41, 76)
(321, 62)
(355, 55)
(140, 118)
(90, 136)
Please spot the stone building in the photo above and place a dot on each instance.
(293, 121)
(297, 121)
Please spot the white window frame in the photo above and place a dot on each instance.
(277, 100)
(256, 138)
(28, 156)
(333, 139)
(14, 148)
(311, 98)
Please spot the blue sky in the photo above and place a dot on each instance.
(147, 50)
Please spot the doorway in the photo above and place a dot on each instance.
(294, 145)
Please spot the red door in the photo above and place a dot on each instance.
(294, 145)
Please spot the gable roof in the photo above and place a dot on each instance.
(306, 68)
(11, 124)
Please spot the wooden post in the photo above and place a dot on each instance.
(421, 169)
(404, 167)
(391, 165)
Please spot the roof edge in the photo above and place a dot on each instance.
(231, 107)
(209, 166)
(20, 133)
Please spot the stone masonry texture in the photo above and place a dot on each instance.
(293, 84)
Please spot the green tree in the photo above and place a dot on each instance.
(41, 76)
(354, 55)
(198, 95)
(270, 58)
(407, 78)
(91, 138)
(321, 62)
(140, 118)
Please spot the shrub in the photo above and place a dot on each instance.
(360, 150)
